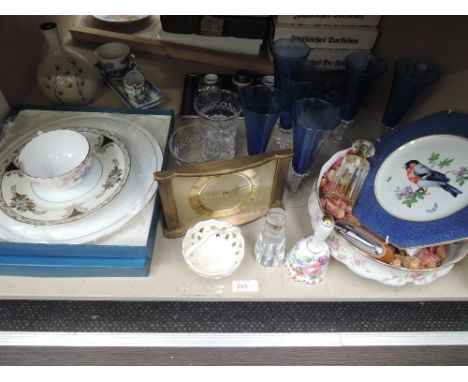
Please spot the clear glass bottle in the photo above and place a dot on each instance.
(270, 247)
(308, 260)
(352, 172)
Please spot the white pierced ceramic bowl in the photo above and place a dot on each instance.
(213, 249)
(365, 265)
(56, 159)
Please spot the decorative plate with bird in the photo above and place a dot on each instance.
(416, 192)
(425, 179)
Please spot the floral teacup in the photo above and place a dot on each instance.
(56, 159)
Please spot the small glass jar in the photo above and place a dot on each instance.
(209, 81)
(268, 80)
(241, 79)
(352, 172)
(271, 243)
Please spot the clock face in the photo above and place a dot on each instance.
(225, 195)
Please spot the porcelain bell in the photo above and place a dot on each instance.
(308, 260)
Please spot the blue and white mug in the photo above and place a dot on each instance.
(115, 58)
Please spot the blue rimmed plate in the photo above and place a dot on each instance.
(416, 193)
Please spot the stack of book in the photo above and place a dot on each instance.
(331, 38)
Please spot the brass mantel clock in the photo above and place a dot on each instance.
(237, 190)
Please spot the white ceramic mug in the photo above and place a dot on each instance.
(134, 83)
(115, 58)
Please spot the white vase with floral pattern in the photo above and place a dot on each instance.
(63, 75)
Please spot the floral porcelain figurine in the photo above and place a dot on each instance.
(63, 75)
(308, 259)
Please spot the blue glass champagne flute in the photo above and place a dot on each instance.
(313, 121)
(410, 77)
(362, 71)
(261, 107)
(289, 56)
(293, 89)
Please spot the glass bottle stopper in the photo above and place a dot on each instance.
(363, 148)
(210, 79)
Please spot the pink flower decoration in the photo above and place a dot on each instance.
(313, 269)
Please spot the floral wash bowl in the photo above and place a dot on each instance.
(365, 265)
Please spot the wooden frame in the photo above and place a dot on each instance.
(236, 190)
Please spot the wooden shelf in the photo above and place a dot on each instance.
(142, 37)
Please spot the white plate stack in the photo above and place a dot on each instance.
(331, 38)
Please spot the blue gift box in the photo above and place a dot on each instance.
(84, 260)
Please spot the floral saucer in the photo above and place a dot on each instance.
(27, 203)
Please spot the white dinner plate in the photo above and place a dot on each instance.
(145, 158)
(425, 179)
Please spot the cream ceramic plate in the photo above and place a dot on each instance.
(120, 19)
(145, 158)
(425, 179)
(25, 202)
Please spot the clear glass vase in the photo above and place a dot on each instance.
(63, 75)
